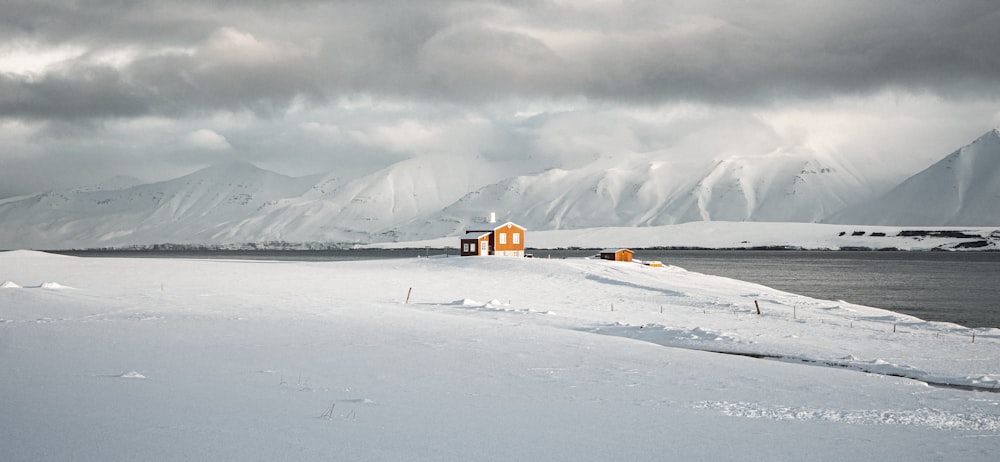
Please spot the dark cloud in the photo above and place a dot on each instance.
(317, 84)
(89, 92)
(716, 52)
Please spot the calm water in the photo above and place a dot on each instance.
(963, 288)
(958, 287)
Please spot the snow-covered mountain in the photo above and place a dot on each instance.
(963, 189)
(430, 197)
(646, 191)
(192, 208)
(366, 209)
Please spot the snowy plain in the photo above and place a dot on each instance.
(470, 359)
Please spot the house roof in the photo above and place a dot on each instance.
(615, 250)
(475, 236)
(490, 227)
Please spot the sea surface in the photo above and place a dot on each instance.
(958, 287)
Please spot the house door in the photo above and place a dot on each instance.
(484, 248)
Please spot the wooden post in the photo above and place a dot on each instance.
(758, 306)
(408, 292)
(973, 336)
(794, 316)
(893, 328)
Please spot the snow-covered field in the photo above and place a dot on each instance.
(489, 359)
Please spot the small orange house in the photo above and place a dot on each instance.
(491, 239)
(617, 254)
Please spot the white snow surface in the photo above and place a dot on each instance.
(489, 359)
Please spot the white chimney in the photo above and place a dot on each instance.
(493, 217)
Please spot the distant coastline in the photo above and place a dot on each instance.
(707, 235)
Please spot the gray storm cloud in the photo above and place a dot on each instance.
(95, 87)
(204, 56)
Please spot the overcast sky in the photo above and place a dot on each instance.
(154, 89)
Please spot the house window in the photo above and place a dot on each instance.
(516, 238)
(503, 238)
(465, 247)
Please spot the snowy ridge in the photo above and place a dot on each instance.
(194, 207)
(363, 209)
(642, 191)
(430, 197)
(963, 189)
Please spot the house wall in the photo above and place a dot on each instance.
(466, 251)
(488, 248)
(509, 240)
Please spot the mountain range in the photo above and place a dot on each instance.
(436, 196)
(963, 189)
